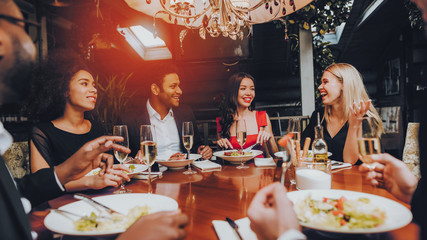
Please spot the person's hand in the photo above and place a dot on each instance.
(271, 212)
(205, 151)
(263, 136)
(357, 111)
(224, 143)
(116, 175)
(90, 156)
(158, 226)
(397, 177)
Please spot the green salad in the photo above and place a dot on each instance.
(340, 213)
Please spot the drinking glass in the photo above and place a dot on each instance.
(241, 138)
(368, 141)
(148, 146)
(187, 139)
(294, 126)
(121, 130)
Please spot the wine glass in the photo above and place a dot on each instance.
(368, 141)
(121, 130)
(294, 126)
(241, 138)
(148, 146)
(187, 139)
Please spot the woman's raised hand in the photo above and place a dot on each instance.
(224, 143)
(358, 110)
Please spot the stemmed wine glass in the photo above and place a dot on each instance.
(148, 146)
(121, 130)
(368, 141)
(241, 138)
(187, 139)
(294, 126)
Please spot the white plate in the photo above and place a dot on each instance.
(178, 164)
(397, 215)
(138, 168)
(120, 202)
(237, 158)
(310, 154)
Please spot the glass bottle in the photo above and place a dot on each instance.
(319, 146)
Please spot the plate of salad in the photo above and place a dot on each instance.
(348, 211)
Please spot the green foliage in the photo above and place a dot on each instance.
(414, 15)
(113, 98)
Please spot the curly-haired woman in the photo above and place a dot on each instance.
(62, 91)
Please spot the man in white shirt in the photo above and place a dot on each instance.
(164, 111)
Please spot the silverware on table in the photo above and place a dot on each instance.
(95, 203)
(234, 226)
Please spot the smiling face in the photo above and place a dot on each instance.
(246, 93)
(82, 94)
(330, 89)
(170, 92)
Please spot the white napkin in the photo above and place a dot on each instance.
(206, 165)
(226, 232)
(264, 162)
(144, 175)
(337, 164)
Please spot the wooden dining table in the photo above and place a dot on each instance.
(215, 195)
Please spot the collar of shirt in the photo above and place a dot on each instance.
(154, 113)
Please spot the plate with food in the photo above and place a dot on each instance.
(236, 156)
(177, 160)
(349, 212)
(93, 223)
(309, 154)
(134, 168)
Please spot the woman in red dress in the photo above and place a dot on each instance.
(240, 104)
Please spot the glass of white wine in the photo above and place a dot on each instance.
(187, 139)
(148, 146)
(367, 141)
(294, 127)
(241, 138)
(121, 130)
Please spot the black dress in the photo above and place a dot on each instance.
(56, 145)
(335, 144)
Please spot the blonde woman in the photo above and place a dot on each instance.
(345, 99)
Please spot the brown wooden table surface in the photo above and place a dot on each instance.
(215, 195)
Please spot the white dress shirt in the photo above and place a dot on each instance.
(167, 135)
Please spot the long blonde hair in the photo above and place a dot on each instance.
(353, 91)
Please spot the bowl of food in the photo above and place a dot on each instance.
(177, 160)
(237, 156)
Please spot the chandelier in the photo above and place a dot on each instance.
(217, 17)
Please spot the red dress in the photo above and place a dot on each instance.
(261, 119)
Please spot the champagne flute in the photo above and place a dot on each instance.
(148, 146)
(367, 141)
(187, 139)
(241, 138)
(121, 130)
(294, 126)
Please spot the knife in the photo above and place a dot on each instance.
(94, 202)
(234, 226)
(248, 149)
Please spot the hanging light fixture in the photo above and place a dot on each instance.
(217, 17)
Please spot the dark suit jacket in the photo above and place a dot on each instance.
(139, 116)
(38, 187)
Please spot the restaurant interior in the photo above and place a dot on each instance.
(383, 39)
